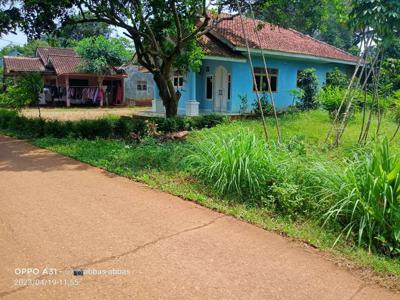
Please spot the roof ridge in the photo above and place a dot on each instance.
(67, 48)
(20, 57)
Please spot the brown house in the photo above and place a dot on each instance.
(64, 83)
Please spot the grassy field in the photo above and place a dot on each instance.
(162, 166)
(72, 114)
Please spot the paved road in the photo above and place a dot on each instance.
(58, 213)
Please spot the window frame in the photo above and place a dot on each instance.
(178, 78)
(260, 73)
(142, 84)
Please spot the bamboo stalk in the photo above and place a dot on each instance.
(278, 131)
(252, 71)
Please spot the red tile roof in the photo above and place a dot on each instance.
(65, 64)
(213, 47)
(45, 52)
(276, 38)
(22, 64)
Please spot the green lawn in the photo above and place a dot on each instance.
(160, 165)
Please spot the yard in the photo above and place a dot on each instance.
(170, 166)
(73, 114)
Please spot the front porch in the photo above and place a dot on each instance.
(83, 90)
(209, 91)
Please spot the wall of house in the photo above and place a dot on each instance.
(131, 91)
(242, 83)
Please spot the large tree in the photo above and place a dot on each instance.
(70, 33)
(164, 32)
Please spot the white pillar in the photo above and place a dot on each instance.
(192, 106)
(67, 88)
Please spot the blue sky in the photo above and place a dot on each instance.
(19, 39)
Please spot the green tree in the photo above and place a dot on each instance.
(336, 78)
(100, 53)
(308, 82)
(305, 16)
(164, 33)
(70, 33)
(23, 93)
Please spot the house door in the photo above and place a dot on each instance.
(221, 89)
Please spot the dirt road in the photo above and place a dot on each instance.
(57, 215)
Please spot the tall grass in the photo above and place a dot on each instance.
(359, 197)
(366, 199)
(233, 164)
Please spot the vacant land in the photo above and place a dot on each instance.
(72, 114)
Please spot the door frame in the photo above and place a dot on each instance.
(220, 96)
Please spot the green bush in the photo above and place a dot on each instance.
(308, 82)
(23, 93)
(100, 128)
(265, 104)
(90, 129)
(208, 121)
(5, 117)
(337, 78)
(57, 128)
(330, 98)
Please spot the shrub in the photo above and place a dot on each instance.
(336, 78)
(266, 106)
(23, 93)
(308, 82)
(330, 98)
(57, 128)
(5, 117)
(101, 128)
(208, 121)
(121, 128)
(367, 199)
(91, 129)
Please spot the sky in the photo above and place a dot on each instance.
(19, 39)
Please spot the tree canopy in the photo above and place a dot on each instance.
(100, 53)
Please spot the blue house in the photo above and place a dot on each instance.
(225, 76)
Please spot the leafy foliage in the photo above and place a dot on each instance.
(330, 98)
(23, 93)
(390, 76)
(265, 105)
(100, 53)
(337, 78)
(75, 30)
(368, 199)
(308, 82)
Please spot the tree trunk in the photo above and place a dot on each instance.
(168, 94)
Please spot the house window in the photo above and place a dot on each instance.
(178, 80)
(209, 87)
(141, 85)
(262, 82)
(229, 86)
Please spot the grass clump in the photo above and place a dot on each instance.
(366, 199)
